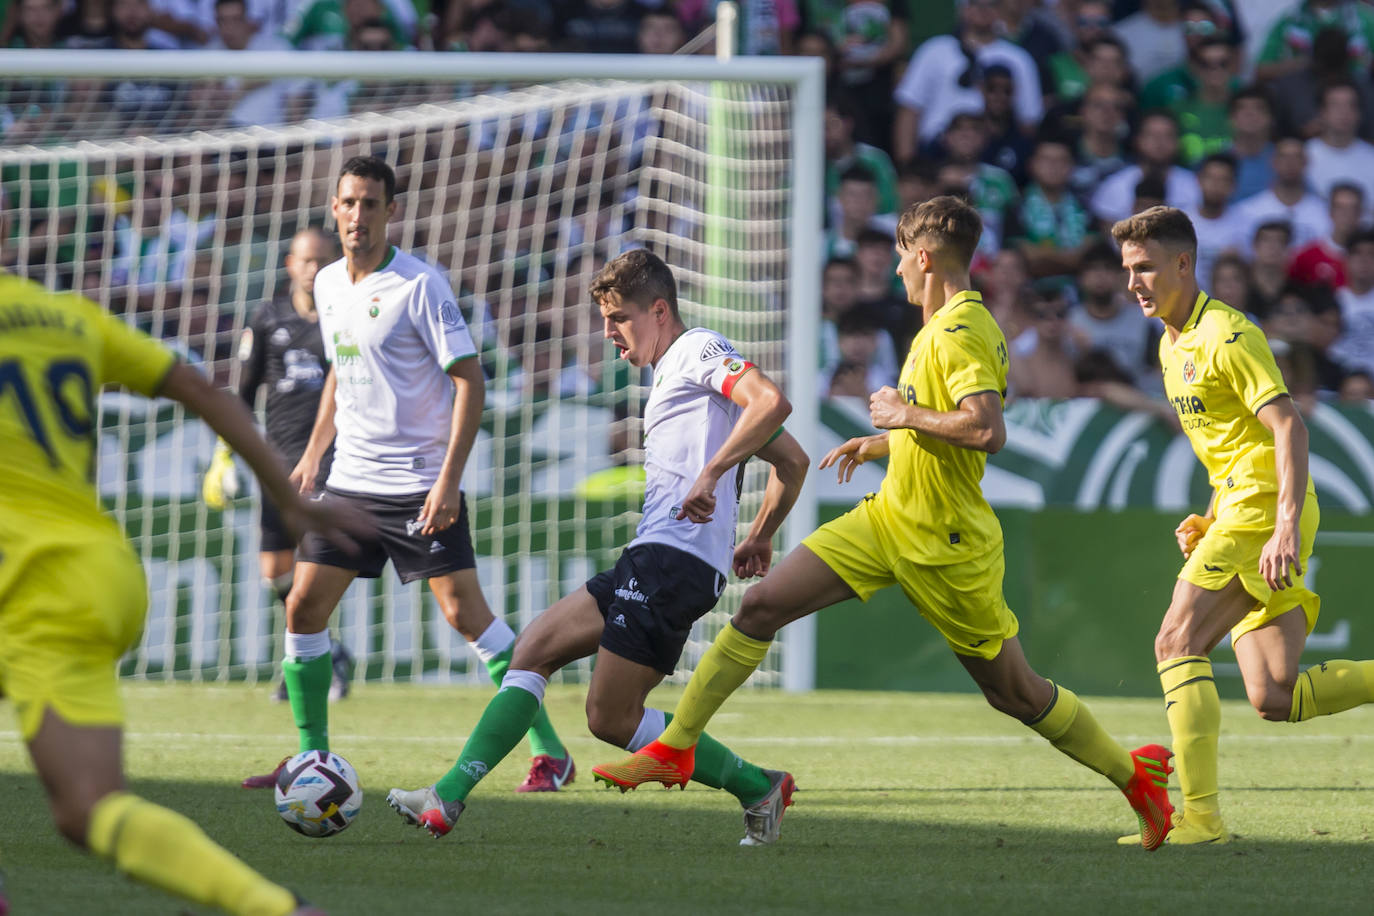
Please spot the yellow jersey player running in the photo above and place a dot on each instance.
(929, 530)
(72, 594)
(1245, 558)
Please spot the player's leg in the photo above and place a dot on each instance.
(564, 633)
(491, 638)
(307, 666)
(801, 584)
(277, 568)
(80, 770)
(1195, 622)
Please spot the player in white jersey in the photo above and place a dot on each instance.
(709, 411)
(401, 405)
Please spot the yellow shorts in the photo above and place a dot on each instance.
(1231, 548)
(963, 601)
(73, 609)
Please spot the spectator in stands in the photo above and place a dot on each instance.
(1203, 111)
(660, 32)
(1175, 84)
(1289, 46)
(1101, 147)
(1153, 37)
(36, 24)
(1107, 318)
(1230, 282)
(234, 101)
(1156, 148)
(1269, 266)
(1299, 93)
(155, 241)
(27, 106)
(842, 152)
(1294, 322)
(1337, 154)
(181, 23)
(858, 210)
(1008, 147)
(943, 77)
(849, 380)
(1321, 262)
(879, 295)
(87, 25)
(1067, 75)
(1042, 362)
(917, 182)
(1149, 192)
(1028, 26)
(1287, 198)
(1252, 134)
(1106, 66)
(861, 340)
(1007, 293)
(764, 26)
(486, 27)
(1050, 225)
(1357, 388)
(869, 39)
(598, 26)
(989, 188)
(1354, 349)
(1219, 227)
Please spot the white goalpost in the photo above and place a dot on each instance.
(518, 175)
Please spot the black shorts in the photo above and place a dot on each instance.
(272, 531)
(650, 601)
(415, 555)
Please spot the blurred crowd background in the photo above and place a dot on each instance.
(1054, 117)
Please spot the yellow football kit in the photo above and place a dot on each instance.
(1218, 374)
(929, 529)
(72, 593)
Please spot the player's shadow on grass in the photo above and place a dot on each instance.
(598, 852)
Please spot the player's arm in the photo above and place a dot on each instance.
(322, 434)
(976, 423)
(855, 452)
(764, 410)
(445, 498)
(1280, 556)
(227, 416)
(754, 554)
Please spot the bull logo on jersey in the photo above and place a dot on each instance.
(1189, 371)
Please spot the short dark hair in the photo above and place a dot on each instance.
(1253, 91)
(371, 168)
(1363, 237)
(1099, 253)
(1166, 225)
(1345, 187)
(869, 235)
(1223, 158)
(859, 172)
(638, 276)
(1333, 85)
(1275, 225)
(847, 263)
(952, 225)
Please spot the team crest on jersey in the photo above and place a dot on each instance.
(246, 345)
(716, 348)
(733, 365)
(1189, 371)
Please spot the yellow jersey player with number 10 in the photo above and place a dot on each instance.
(929, 530)
(1246, 556)
(72, 593)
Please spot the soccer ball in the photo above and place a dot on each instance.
(318, 793)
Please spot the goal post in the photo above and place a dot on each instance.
(517, 175)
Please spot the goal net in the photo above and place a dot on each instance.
(157, 196)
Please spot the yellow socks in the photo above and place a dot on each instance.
(164, 849)
(1194, 711)
(724, 667)
(1070, 726)
(1331, 687)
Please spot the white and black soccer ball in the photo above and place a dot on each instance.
(318, 794)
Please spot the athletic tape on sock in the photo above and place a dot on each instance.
(651, 725)
(528, 681)
(494, 640)
(305, 646)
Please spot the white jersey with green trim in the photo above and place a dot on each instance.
(391, 339)
(687, 419)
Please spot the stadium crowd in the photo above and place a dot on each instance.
(1054, 117)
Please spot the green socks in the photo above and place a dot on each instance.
(506, 718)
(543, 738)
(307, 683)
(718, 767)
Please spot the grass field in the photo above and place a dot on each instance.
(909, 803)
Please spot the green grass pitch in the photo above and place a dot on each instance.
(909, 803)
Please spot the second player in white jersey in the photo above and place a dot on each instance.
(391, 338)
(688, 417)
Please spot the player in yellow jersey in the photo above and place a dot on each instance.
(1244, 558)
(928, 529)
(72, 593)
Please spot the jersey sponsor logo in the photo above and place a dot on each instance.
(1234, 337)
(301, 369)
(630, 592)
(280, 337)
(1187, 405)
(346, 348)
(1189, 371)
(245, 344)
(715, 348)
(449, 314)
